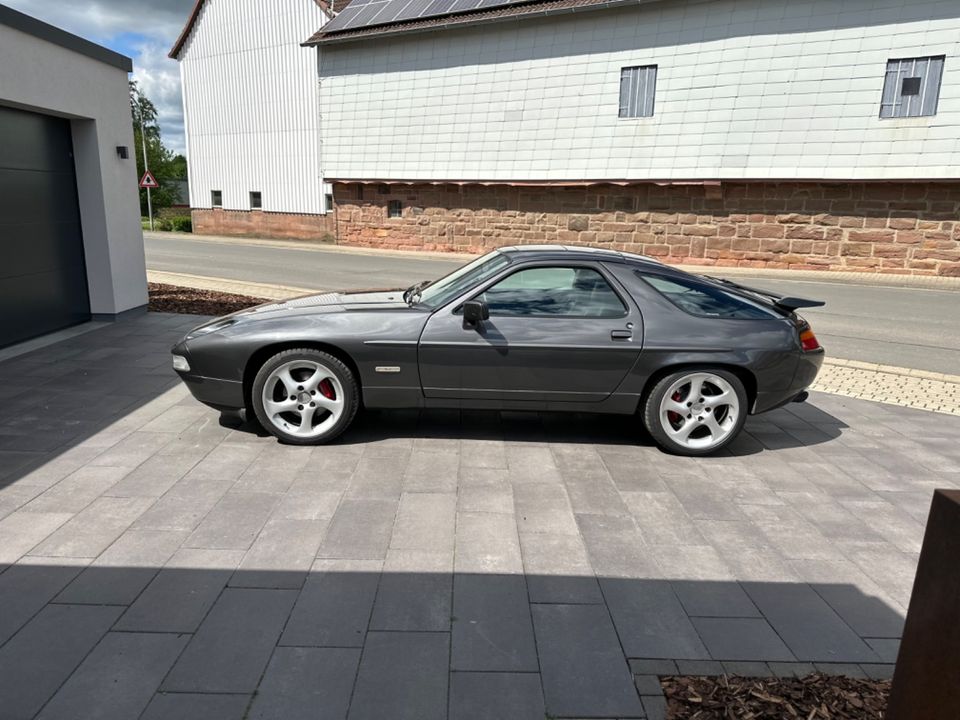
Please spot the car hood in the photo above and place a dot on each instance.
(332, 302)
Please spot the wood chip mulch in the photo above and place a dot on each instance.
(191, 301)
(814, 697)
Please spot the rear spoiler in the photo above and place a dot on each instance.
(788, 304)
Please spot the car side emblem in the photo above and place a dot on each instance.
(387, 369)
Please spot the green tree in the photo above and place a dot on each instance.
(164, 164)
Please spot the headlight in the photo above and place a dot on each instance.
(211, 327)
(180, 363)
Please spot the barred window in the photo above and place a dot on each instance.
(638, 86)
(911, 87)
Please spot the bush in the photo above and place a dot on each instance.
(181, 224)
(162, 224)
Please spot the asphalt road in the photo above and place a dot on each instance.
(907, 327)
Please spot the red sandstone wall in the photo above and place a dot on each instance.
(263, 224)
(901, 228)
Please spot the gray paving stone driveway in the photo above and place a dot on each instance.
(156, 564)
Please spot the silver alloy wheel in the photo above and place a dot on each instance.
(303, 398)
(699, 410)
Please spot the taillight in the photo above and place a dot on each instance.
(808, 341)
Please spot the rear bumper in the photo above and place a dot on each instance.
(218, 394)
(808, 366)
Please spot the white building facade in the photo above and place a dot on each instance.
(251, 114)
(773, 133)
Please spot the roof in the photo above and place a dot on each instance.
(331, 7)
(514, 10)
(582, 252)
(51, 34)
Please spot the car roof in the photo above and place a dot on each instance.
(585, 252)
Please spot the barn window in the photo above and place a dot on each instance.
(911, 87)
(638, 86)
(216, 198)
(394, 209)
(256, 200)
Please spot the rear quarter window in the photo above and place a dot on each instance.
(706, 301)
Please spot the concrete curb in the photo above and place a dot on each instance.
(849, 278)
(235, 287)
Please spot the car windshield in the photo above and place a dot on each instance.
(459, 281)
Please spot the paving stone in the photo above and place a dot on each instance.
(21, 531)
(221, 659)
(282, 554)
(531, 464)
(482, 453)
(714, 599)
(876, 671)
(414, 592)
(544, 508)
(846, 669)
(118, 678)
(650, 620)
(486, 498)
(360, 529)
(648, 666)
(180, 595)
(193, 706)
(156, 475)
(93, 530)
(747, 668)
(124, 569)
(791, 669)
(558, 570)
(487, 543)
(377, 478)
(429, 471)
(77, 490)
(593, 493)
(492, 629)
(132, 450)
(655, 707)
(402, 676)
(334, 607)
(303, 683)
(699, 667)
(582, 666)
(615, 547)
(185, 505)
(234, 522)
(29, 585)
(629, 475)
(886, 649)
(274, 470)
(741, 639)
(425, 521)
(37, 660)
(809, 627)
(661, 518)
(495, 696)
(647, 684)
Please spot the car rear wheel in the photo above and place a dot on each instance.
(305, 396)
(696, 411)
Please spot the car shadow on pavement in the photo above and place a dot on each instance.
(195, 637)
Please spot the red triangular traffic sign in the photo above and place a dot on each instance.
(148, 180)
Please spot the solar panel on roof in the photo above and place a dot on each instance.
(367, 13)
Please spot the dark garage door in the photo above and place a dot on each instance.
(43, 280)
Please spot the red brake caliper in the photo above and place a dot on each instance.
(671, 415)
(326, 389)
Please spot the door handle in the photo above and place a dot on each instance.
(621, 335)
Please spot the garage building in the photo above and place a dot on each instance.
(71, 246)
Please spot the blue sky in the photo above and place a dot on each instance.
(144, 30)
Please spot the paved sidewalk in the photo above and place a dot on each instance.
(156, 564)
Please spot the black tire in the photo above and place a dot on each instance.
(351, 394)
(652, 420)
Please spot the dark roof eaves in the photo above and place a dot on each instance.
(54, 35)
(459, 21)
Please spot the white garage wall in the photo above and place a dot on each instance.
(745, 89)
(250, 105)
(44, 77)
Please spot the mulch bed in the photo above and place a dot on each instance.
(815, 697)
(190, 301)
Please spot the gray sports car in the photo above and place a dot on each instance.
(521, 328)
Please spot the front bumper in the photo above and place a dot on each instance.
(218, 394)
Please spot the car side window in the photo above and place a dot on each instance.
(554, 292)
(706, 301)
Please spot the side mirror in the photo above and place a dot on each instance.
(474, 313)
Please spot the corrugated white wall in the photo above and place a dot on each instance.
(251, 106)
(745, 89)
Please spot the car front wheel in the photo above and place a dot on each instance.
(305, 396)
(695, 411)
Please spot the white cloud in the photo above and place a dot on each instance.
(142, 29)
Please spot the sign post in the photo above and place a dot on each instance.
(146, 174)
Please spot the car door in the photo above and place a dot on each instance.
(557, 332)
